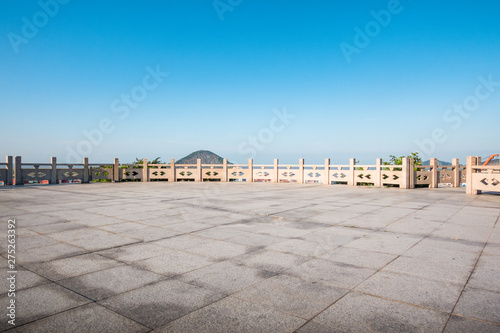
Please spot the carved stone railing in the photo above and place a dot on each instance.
(481, 178)
(404, 176)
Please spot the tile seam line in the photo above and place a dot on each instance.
(472, 271)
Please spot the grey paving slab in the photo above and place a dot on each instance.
(331, 273)
(183, 242)
(432, 270)
(208, 240)
(110, 282)
(24, 279)
(226, 277)
(48, 253)
(479, 304)
(302, 247)
(233, 315)
(26, 243)
(312, 327)
(41, 301)
(160, 303)
(220, 250)
(89, 318)
(150, 234)
(293, 296)
(253, 239)
(410, 289)
(56, 227)
(123, 227)
(73, 266)
(174, 262)
(385, 242)
(134, 252)
(362, 258)
(458, 324)
(92, 239)
(362, 313)
(270, 260)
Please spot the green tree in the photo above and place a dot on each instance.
(155, 161)
(393, 160)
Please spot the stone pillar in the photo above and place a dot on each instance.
(85, 170)
(411, 172)
(116, 170)
(471, 161)
(327, 171)
(456, 172)
(10, 170)
(434, 173)
(301, 171)
(18, 171)
(250, 171)
(405, 178)
(199, 171)
(352, 178)
(377, 182)
(276, 172)
(145, 170)
(224, 170)
(53, 170)
(172, 177)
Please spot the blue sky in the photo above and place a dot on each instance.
(355, 86)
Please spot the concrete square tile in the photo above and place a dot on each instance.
(160, 303)
(110, 282)
(225, 277)
(182, 242)
(134, 252)
(89, 318)
(386, 242)
(331, 273)
(270, 260)
(362, 313)
(48, 253)
(479, 304)
(174, 262)
(432, 270)
(441, 296)
(73, 266)
(302, 247)
(41, 301)
(351, 256)
(465, 325)
(233, 315)
(220, 250)
(293, 296)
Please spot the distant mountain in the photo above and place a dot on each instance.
(428, 162)
(207, 157)
(495, 161)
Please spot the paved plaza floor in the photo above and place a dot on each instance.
(235, 257)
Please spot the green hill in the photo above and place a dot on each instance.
(207, 157)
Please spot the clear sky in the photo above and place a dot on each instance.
(261, 79)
